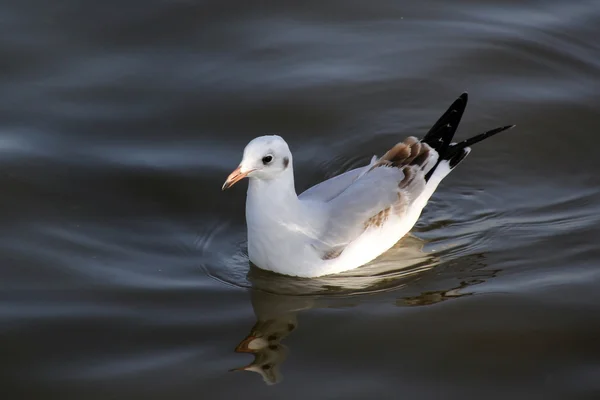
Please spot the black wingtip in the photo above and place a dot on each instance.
(441, 133)
(482, 136)
(456, 148)
(458, 157)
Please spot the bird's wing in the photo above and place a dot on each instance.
(438, 138)
(331, 188)
(366, 197)
(388, 185)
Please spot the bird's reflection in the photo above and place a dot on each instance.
(276, 318)
(277, 299)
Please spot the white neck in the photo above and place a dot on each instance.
(273, 194)
(275, 218)
(281, 225)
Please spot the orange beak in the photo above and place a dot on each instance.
(236, 176)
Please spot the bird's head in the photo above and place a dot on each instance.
(265, 158)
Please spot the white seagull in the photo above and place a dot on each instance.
(350, 219)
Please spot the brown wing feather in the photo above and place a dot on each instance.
(409, 152)
(410, 156)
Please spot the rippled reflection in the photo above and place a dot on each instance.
(277, 317)
(277, 313)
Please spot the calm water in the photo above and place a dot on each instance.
(124, 273)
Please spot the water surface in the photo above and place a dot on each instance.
(124, 270)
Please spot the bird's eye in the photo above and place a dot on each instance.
(267, 159)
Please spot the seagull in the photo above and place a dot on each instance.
(348, 220)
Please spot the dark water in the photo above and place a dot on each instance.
(123, 268)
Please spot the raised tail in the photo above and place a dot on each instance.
(441, 133)
(456, 152)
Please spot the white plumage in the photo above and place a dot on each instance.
(348, 220)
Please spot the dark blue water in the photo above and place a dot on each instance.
(124, 273)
